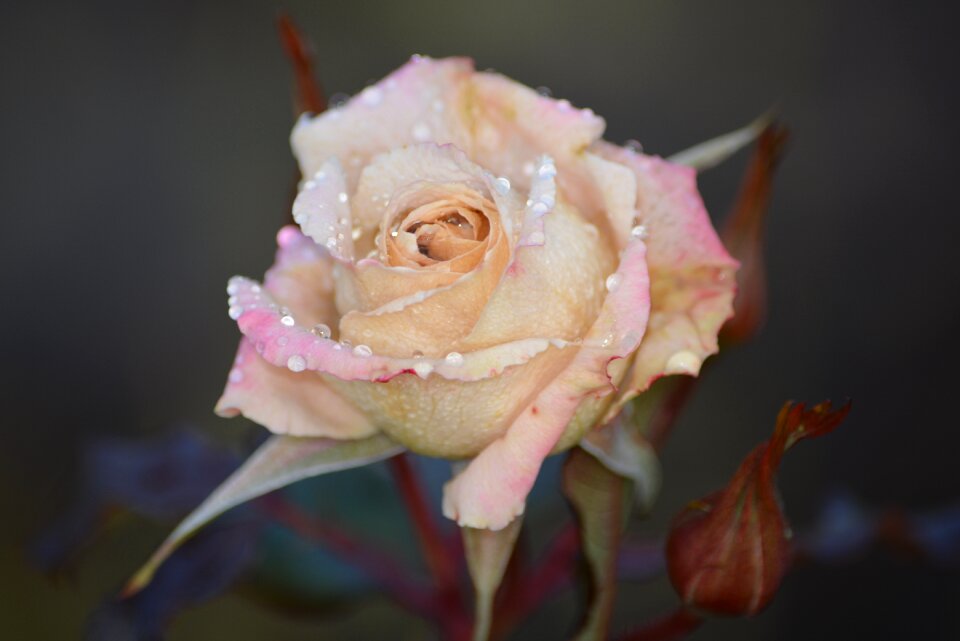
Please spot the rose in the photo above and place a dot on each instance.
(477, 275)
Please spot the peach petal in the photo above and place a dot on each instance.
(301, 278)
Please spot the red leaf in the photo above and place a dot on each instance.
(727, 553)
(309, 95)
(743, 235)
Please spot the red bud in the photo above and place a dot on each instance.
(727, 553)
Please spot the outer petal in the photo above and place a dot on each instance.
(288, 403)
(492, 490)
(691, 274)
(419, 102)
(323, 213)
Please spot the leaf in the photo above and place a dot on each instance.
(488, 554)
(601, 500)
(712, 152)
(728, 552)
(280, 461)
(744, 238)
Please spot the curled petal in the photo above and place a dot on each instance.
(323, 213)
(691, 274)
(492, 490)
(298, 404)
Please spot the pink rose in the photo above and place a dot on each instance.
(477, 275)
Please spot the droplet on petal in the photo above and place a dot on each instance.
(634, 146)
(288, 320)
(296, 363)
(613, 281)
(454, 358)
(683, 362)
(235, 375)
(342, 196)
(235, 312)
(372, 96)
(502, 185)
(422, 368)
(362, 350)
(420, 132)
(322, 330)
(640, 231)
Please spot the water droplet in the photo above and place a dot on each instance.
(607, 341)
(536, 238)
(683, 362)
(235, 312)
(342, 196)
(282, 340)
(634, 146)
(356, 233)
(422, 368)
(310, 184)
(320, 175)
(613, 282)
(528, 168)
(232, 288)
(544, 91)
(420, 132)
(322, 330)
(345, 343)
(232, 301)
(331, 243)
(288, 320)
(260, 346)
(362, 350)
(296, 363)
(235, 375)
(417, 354)
(502, 185)
(540, 208)
(454, 358)
(548, 199)
(547, 169)
(640, 231)
(342, 220)
(564, 105)
(338, 99)
(372, 96)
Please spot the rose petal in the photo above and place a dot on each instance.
(286, 402)
(322, 211)
(691, 274)
(617, 188)
(492, 490)
(301, 279)
(419, 102)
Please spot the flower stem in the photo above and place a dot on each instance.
(443, 569)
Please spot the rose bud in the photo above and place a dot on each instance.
(477, 275)
(728, 552)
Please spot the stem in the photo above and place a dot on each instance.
(676, 625)
(454, 619)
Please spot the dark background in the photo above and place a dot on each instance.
(145, 160)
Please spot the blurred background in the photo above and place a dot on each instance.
(146, 160)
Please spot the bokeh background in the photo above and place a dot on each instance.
(145, 160)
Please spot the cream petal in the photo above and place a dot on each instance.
(419, 102)
(492, 490)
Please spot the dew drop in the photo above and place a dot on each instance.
(372, 96)
(544, 91)
(454, 358)
(235, 312)
(420, 132)
(536, 238)
(502, 185)
(232, 288)
(547, 169)
(422, 368)
(322, 330)
(310, 184)
(640, 231)
(296, 363)
(613, 282)
(528, 168)
(634, 146)
(540, 208)
(417, 354)
(288, 320)
(260, 346)
(235, 375)
(338, 100)
(342, 196)
(282, 340)
(362, 350)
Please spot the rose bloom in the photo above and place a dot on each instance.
(478, 275)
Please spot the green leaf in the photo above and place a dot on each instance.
(601, 500)
(280, 461)
(714, 151)
(488, 553)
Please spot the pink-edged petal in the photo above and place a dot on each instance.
(323, 212)
(301, 279)
(286, 402)
(691, 274)
(417, 103)
(617, 188)
(282, 340)
(492, 490)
